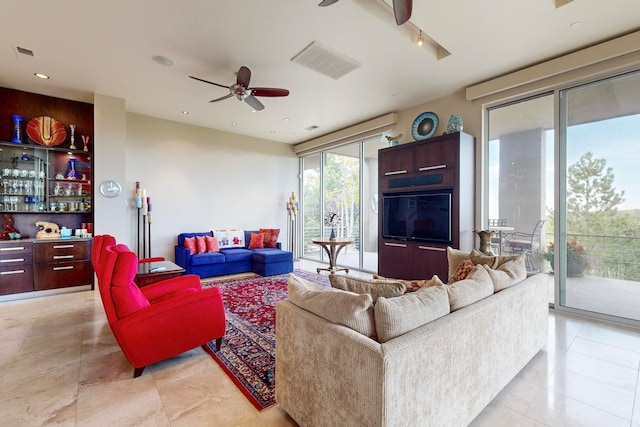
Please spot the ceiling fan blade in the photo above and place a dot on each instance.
(244, 76)
(402, 10)
(253, 101)
(268, 91)
(324, 3)
(222, 97)
(211, 83)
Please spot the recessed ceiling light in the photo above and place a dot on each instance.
(273, 131)
(41, 76)
(163, 60)
(185, 112)
(254, 111)
(286, 119)
(234, 123)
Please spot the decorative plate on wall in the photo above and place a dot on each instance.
(46, 131)
(424, 126)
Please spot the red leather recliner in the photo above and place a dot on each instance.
(158, 321)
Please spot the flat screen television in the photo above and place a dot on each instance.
(417, 216)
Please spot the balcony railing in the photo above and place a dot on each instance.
(613, 257)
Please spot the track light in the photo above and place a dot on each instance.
(420, 41)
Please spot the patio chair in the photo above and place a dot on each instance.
(525, 243)
(496, 237)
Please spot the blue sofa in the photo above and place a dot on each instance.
(265, 262)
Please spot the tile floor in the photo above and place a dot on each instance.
(61, 366)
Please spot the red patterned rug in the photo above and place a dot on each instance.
(248, 353)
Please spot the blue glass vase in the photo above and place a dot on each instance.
(71, 170)
(17, 130)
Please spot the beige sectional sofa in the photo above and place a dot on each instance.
(442, 373)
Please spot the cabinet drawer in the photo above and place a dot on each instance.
(12, 250)
(62, 275)
(17, 259)
(16, 279)
(61, 251)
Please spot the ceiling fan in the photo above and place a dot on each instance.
(243, 92)
(401, 9)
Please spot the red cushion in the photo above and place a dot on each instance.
(270, 236)
(257, 241)
(201, 245)
(127, 297)
(190, 243)
(212, 244)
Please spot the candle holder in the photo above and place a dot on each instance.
(72, 128)
(17, 130)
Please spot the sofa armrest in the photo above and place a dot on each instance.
(183, 258)
(308, 347)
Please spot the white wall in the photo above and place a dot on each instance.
(197, 179)
(109, 148)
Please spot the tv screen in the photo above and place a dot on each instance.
(417, 216)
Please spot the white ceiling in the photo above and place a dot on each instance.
(91, 46)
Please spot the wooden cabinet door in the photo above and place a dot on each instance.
(435, 155)
(429, 260)
(393, 256)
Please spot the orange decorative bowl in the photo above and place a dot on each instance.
(46, 131)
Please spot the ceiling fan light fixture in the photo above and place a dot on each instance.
(420, 40)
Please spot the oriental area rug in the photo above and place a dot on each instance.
(248, 353)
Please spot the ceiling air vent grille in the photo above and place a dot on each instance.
(22, 53)
(325, 60)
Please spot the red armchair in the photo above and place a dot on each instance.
(161, 320)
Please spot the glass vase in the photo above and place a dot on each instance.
(71, 170)
(17, 128)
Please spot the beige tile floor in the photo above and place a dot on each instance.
(61, 366)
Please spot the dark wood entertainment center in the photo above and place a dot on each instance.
(440, 164)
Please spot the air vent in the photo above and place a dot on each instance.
(325, 60)
(24, 53)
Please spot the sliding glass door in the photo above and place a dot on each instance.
(343, 181)
(601, 146)
(572, 168)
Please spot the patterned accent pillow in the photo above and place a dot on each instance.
(270, 236)
(190, 243)
(414, 285)
(212, 244)
(201, 245)
(232, 238)
(463, 270)
(257, 241)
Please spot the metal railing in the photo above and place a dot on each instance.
(615, 257)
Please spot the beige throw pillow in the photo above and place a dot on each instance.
(493, 261)
(344, 308)
(396, 316)
(454, 258)
(476, 286)
(414, 285)
(374, 287)
(508, 274)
